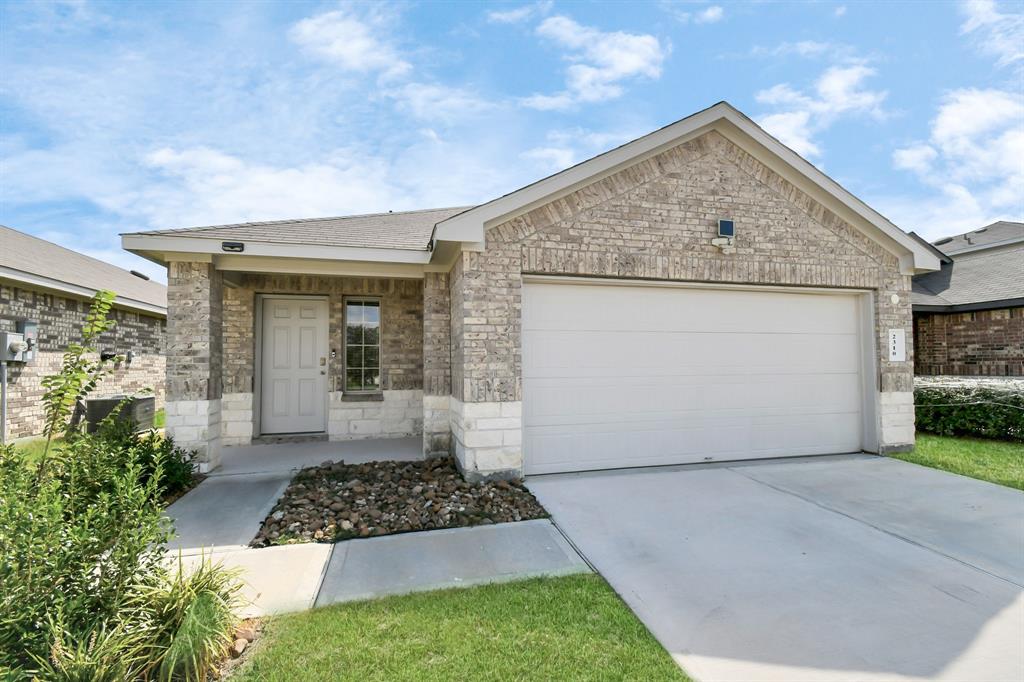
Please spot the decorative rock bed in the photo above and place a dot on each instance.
(338, 501)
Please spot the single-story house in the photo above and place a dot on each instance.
(969, 315)
(701, 293)
(47, 288)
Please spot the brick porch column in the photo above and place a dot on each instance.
(194, 358)
(437, 365)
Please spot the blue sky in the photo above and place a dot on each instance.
(124, 116)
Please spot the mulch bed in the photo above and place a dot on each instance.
(338, 501)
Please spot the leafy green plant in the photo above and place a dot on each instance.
(965, 410)
(176, 465)
(99, 655)
(79, 374)
(190, 615)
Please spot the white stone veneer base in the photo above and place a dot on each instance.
(236, 419)
(897, 415)
(437, 426)
(488, 438)
(195, 425)
(400, 414)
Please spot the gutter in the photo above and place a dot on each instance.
(20, 277)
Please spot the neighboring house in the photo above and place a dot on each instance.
(969, 315)
(47, 284)
(592, 319)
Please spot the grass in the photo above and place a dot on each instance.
(990, 460)
(570, 628)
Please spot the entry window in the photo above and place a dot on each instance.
(362, 345)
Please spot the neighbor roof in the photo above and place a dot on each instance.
(997, 234)
(973, 281)
(402, 230)
(31, 260)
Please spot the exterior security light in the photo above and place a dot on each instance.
(232, 247)
(726, 228)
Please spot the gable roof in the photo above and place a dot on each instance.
(999, 233)
(402, 230)
(982, 269)
(31, 260)
(469, 226)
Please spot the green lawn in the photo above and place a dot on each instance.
(571, 628)
(990, 460)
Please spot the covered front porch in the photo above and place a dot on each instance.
(265, 366)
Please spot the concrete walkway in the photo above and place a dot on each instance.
(216, 520)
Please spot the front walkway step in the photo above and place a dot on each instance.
(275, 579)
(224, 511)
(454, 557)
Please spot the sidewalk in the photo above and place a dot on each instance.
(218, 518)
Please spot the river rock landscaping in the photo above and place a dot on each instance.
(337, 501)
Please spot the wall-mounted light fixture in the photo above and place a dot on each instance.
(726, 236)
(232, 247)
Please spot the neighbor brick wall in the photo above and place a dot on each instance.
(60, 321)
(655, 220)
(980, 343)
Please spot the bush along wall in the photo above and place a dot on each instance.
(963, 407)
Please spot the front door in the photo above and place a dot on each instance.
(294, 370)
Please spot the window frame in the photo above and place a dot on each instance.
(346, 300)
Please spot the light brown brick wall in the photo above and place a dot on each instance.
(437, 354)
(194, 318)
(980, 343)
(60, 320)
(401, 325)
(655, 220)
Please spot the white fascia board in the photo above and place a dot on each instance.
(138, 243)
(76, 290)
(471, 225)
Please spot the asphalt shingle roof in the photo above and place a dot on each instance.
(400, 230)
(989, 235)
(34, 256)
(975, 277)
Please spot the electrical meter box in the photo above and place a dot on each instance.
(12, 347)
(29, 329)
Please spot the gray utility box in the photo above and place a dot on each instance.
(139, 410)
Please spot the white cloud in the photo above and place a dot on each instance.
(352, 41)
(568, 147)
(519, 14)
(805, 48)
(839, 11)
(600, 62)
(433, 101)
(996, 33)
(839, 91)
(971, 161)
(709, 15)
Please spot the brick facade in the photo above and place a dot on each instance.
(655, 220)
(980, 343)
(60, 320)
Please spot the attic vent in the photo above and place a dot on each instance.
(943, 241)
(139, 275)
(979, 231)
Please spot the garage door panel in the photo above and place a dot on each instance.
(686, 442)
(662, 309)
(617, 376)
(596, 400)
(581, 353)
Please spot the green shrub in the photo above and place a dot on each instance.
(177, 466)
(191, 616)
(74, 542)
(970, 410)
(100, 655)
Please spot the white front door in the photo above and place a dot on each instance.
(621, 376)
(294, 370)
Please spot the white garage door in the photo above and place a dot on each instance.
(620, 376)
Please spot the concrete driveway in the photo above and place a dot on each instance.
(819, 569)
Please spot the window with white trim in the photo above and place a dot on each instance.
(362, 345)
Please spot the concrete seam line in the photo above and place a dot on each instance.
(323, 575)
(573, 545)
(878, 528)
